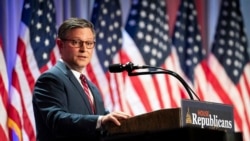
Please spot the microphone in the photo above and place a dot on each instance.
(129, 66)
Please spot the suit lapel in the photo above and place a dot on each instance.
(68, 73)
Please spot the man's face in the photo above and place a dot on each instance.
(77, 48)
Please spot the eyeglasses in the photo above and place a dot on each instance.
(79, 43)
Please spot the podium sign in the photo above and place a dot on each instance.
(207, 115)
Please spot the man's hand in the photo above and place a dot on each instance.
(114, 117)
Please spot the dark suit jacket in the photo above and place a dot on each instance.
(61, 108)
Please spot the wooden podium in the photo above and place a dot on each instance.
(156, 120)
(169, 124)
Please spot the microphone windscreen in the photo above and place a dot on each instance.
(115, 68)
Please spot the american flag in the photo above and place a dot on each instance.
(36, 52)
(3, 96)
(229, 80)
(190, 59)
(107, 19)
(147, 41)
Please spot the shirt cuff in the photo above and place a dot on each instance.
(99, 122)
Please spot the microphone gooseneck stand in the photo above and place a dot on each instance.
(130, 69)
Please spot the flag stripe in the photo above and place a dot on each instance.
(241, 93)
(143, 85)
(14, 121)
(158, 92)
(3, 95)
(177, 94)
(21, 51)
(120, 84)
(201, 80)
(99, 79)
(137, 83)
(172, 87)
(28, 127)
(3, 134)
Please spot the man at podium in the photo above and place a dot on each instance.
(67, 106)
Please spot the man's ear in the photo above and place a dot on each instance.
(59, 42)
